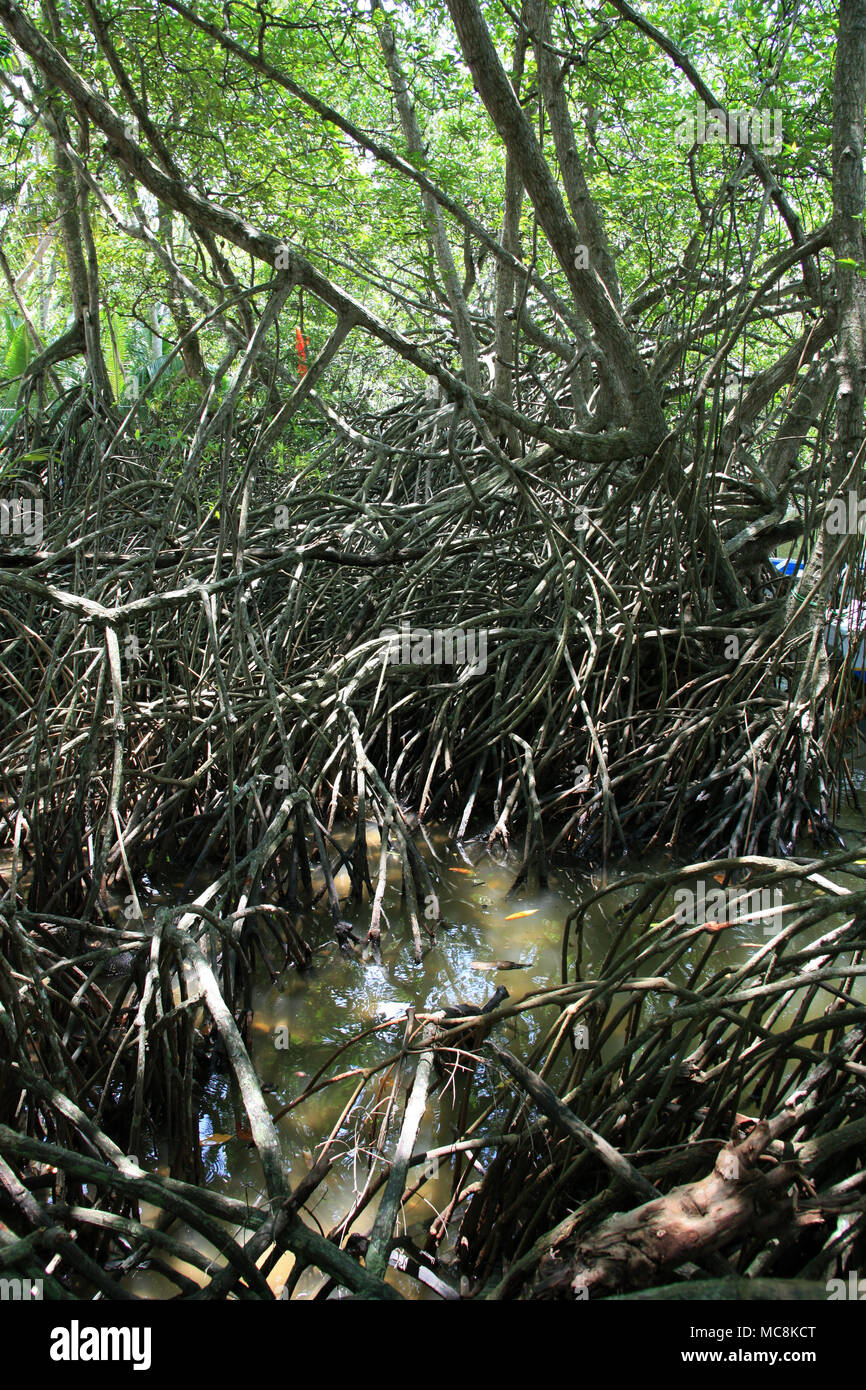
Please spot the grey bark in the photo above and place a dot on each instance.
(436, 229)
(506, 338)
(589, 294)
(583, 209)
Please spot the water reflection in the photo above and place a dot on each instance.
(490, 936)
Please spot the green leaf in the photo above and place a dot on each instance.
(19, 353)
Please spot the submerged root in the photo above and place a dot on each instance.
(677, 1120)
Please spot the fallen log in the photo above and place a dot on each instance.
(634, 1250)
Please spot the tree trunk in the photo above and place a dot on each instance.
(506, 280)
(436, 229)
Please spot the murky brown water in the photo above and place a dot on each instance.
(301, 1019)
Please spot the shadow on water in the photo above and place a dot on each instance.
(488, 937)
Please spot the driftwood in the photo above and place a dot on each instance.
(638, 1248)
(708, 1141)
